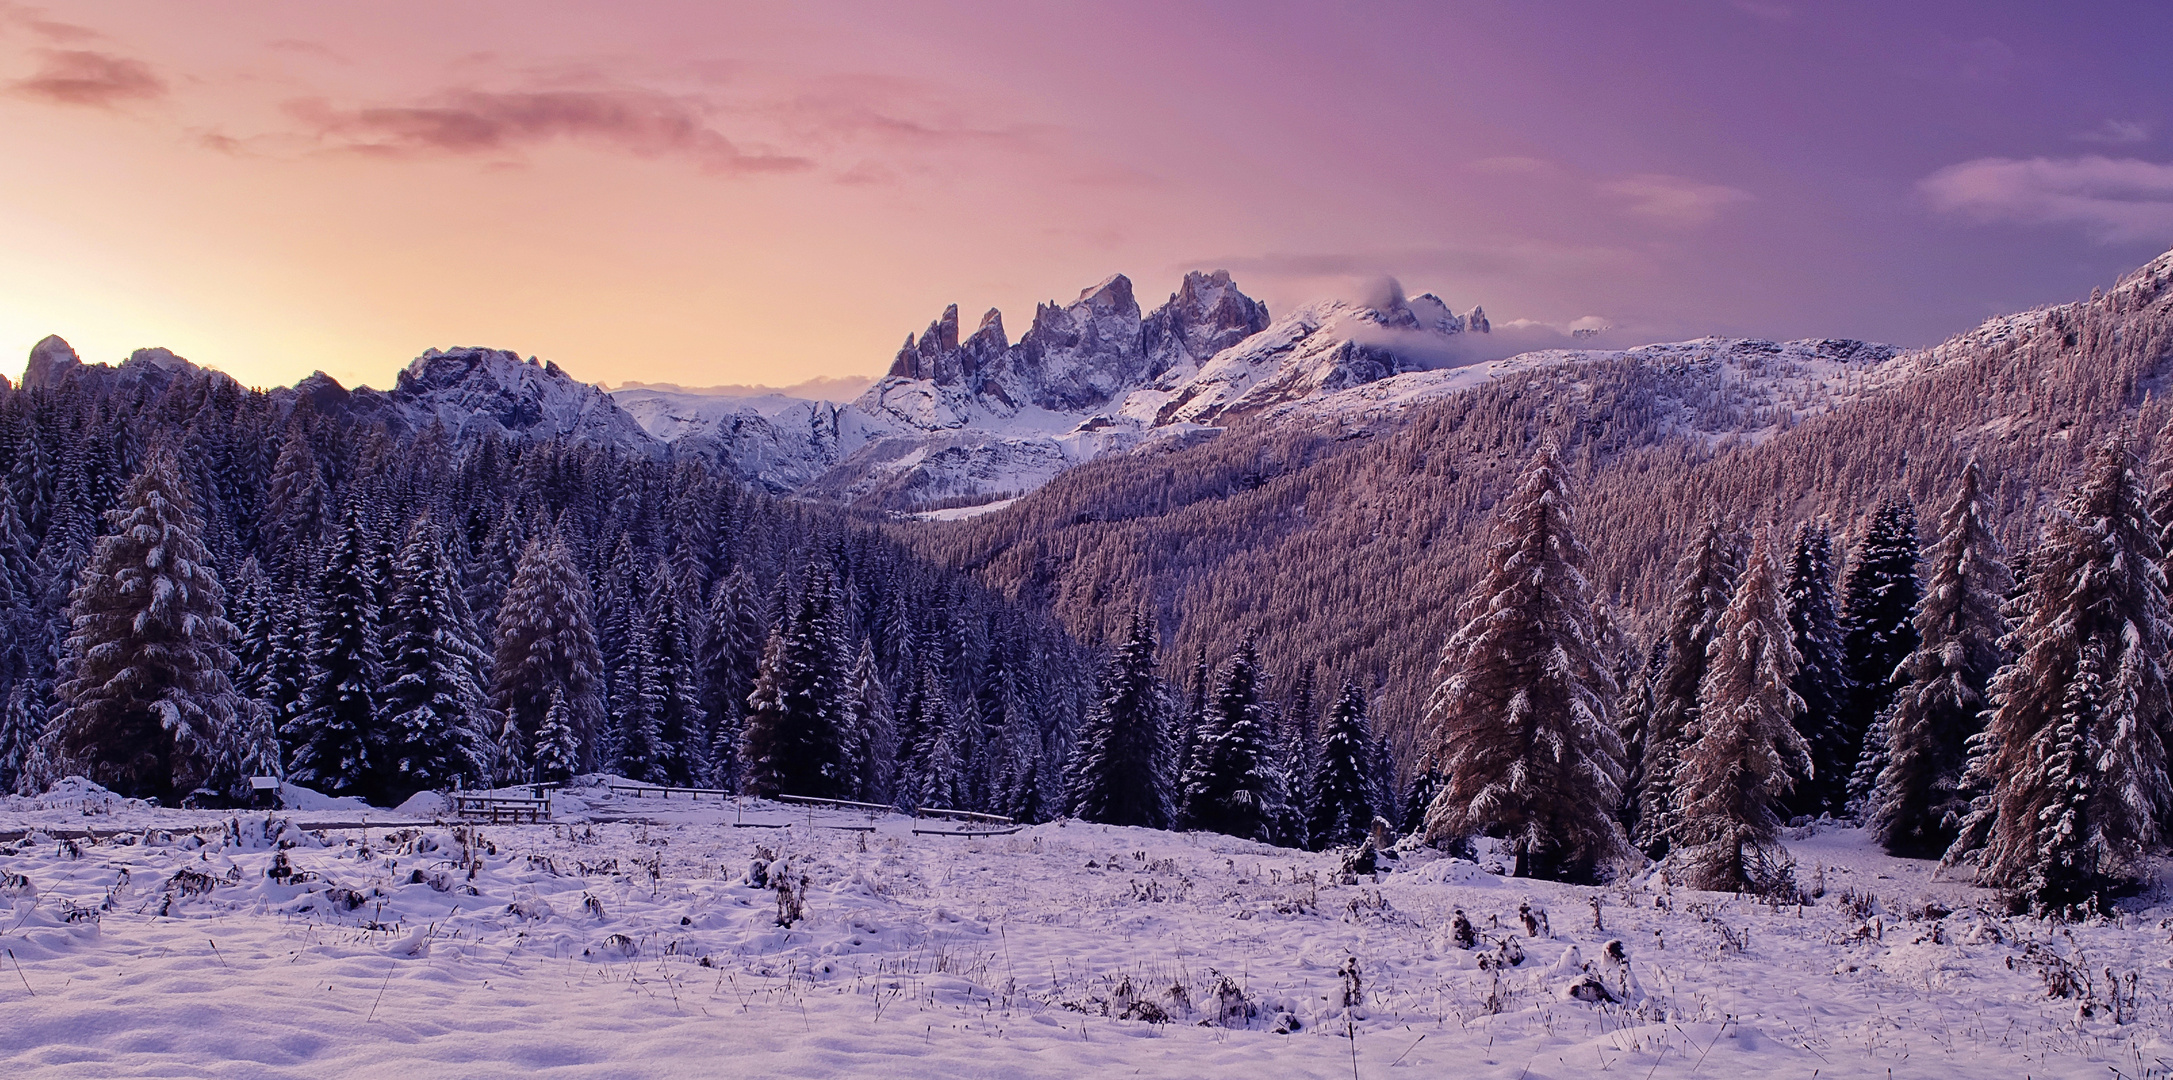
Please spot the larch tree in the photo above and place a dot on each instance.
(1705, 578)
(147, 703)
(1120, 770)
(1521, 723)
(1919, 801)
(1822, 678)
(2073, 759)
(1345, 798)
(1747, 754)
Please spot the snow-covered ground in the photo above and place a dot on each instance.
(627, 948)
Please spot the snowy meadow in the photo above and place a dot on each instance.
(649, 937)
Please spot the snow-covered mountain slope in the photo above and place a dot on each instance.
(1717, 388)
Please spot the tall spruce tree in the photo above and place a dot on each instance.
(1822, 678)
(2073, 760)
(867, 714)
(794, 743)
(1232, 786)
(1747, 754)
(1705, 582)
(681, 718)
(437, 718)
(1521, 724)
(1120, 774)
(727, 657)
(333, 739)
(1879, 632)
(1919, 802)
(546, 645)
(147, 705)
(1345, 800)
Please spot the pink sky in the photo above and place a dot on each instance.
(726, 193)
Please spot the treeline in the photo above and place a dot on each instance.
(199, 583)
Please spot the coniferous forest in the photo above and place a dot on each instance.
(203, 583)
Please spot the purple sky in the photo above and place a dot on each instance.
(711, 192)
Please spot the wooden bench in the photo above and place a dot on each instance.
(501, 809)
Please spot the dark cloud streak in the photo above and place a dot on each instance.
(470, 123)
(94, 79)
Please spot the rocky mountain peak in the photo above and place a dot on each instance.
(1206, 315)
(51, 359)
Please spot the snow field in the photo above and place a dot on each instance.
(648, 949)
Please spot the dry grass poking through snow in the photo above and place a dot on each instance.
(627, 949)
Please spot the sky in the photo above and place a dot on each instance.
(709, 192)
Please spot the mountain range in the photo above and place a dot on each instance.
(1322, 479)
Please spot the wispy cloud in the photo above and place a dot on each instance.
(2116, 132)
(95, 79)
(2116, 200)
(34, 19)
(1674, 200)
(473, 123)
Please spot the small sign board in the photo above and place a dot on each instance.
(264, 783)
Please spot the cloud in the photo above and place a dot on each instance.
(81, 77)
(2116, 132)
(470, 123)
(2115, 200)
(33, 19)
(1673, 200)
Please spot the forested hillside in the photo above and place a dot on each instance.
(1349, 542)
(199, 582)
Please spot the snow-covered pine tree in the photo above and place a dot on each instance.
(1233, 787)
(682, 720)
(939, 768)
(727, 658)
(1705, 579)
(558, 744)
(333, 740)
(20, 729)
(2079, 729)
(637, 744)
(1521, 723)
(147, 705)
(437, 719)
(1879, 631)
(873, 741)
(1297, 736)
(1344, 799)
(1120, 774)
(296, 505)
(546, 644)
(1023, 785)
(1918, 801)
(793, 743)
(1822, 679)
(1747, 754)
